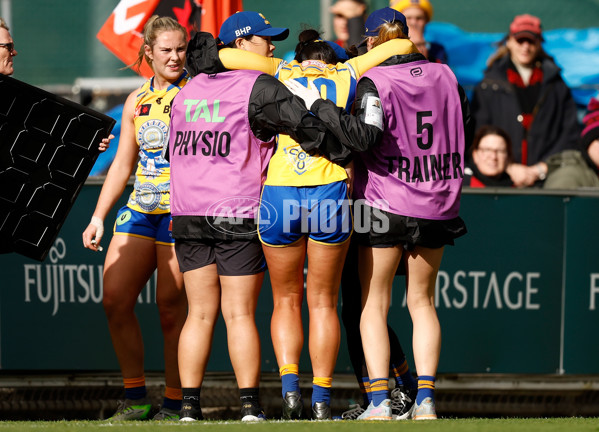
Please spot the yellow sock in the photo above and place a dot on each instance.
(325, 382)
(289, 378)
(289, 369)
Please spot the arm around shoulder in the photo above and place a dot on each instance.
(379, 54)
(274, 109)
(235, 59)
(357, 132)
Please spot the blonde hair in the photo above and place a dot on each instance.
(3, 24)
(152, 29)
(388, 31)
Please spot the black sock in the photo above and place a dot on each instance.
(249, 394)
(191, 395)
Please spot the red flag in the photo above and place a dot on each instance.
(122, 31)
(215, 12)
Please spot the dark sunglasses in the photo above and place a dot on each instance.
(525, 39)
(9, 46)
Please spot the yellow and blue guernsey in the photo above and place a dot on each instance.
(151, 192)
(291, 165)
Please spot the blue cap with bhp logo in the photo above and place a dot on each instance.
(249, 23)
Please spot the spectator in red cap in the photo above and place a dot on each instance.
(573, 169)
(523, 93)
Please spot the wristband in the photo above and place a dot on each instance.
(99, 224)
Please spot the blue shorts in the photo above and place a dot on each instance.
(155, 227)
(287, 213)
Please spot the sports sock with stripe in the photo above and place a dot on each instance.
(135, 388)
(365, 390)
(379, 387)
(403, 375)
(426, 388)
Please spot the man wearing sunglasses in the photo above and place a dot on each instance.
(523, 93)
(7, 50)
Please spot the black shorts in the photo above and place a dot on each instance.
(384, 229)
(232, 257)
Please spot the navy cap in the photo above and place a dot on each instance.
(381, 16)
(249, 23)
(340, 52)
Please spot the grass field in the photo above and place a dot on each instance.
(443, 425)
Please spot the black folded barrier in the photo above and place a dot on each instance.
(48, 145)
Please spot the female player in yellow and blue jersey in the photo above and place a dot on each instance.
(309, 195)
(142, 241)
